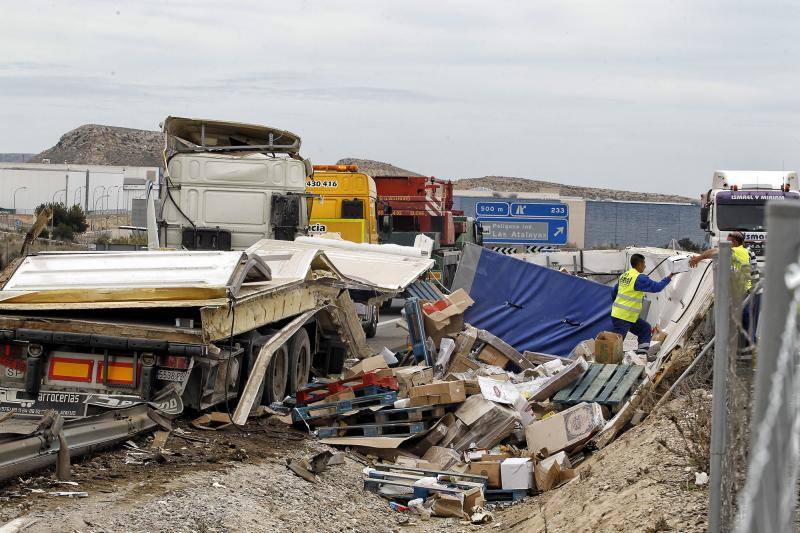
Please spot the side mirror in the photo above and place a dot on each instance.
(309, 167)
(386, 224)
(704, 211)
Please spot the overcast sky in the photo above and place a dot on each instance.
(649, 96)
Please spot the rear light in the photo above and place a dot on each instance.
(68, 369)
(786, 187)
(735, 187)
(12, 356)
(118, 374)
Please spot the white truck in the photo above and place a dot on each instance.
(228, 185)
(736, 201)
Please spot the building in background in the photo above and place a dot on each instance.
(23, 186)
(601, 223)
(616, 224)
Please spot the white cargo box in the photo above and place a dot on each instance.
(678, 263)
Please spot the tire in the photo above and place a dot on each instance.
(299, 360)
(372, 329)
(275, 380)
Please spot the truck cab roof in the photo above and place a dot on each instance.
(202, 135)
(755, 179)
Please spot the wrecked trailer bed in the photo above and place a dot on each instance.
(84, 333)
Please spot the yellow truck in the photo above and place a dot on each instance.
(344, 202)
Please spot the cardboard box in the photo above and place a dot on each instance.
(608, 348)
(461, 364)
(492, 356)
(566, 430)
(506, 349)
(490, 469)
(677, 264)
(443, 458)
(446, 316)
(516, 473)
(413, 376)
(437, 393)
(473, 408)
(366, 365)
(552, 471)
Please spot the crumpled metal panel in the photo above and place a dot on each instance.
(381, 270)
(116, 270)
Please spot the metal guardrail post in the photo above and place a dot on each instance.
(783, 246)
(719, 420)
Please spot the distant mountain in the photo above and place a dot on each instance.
(510, 184)
(93, 144)
(15, 158)
(376, 168)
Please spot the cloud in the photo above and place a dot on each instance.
(644, 95)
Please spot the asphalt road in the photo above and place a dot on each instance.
(389, 334)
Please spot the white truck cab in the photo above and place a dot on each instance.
(737, 201)
(227, 185)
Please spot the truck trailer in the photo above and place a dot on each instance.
(736, 201)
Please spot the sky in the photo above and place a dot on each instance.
(639, 95)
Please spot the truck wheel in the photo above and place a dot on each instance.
(275, 382)
(299, 360)
(372, 329)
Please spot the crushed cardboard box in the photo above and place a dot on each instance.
(366, 365)
(552, 471)
(566, 430)
(446, 316)
(412, 376)
(500, 346)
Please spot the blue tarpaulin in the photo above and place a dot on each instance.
(531, 307)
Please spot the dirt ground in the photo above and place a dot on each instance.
(237, 481)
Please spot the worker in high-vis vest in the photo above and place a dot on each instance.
(743, 262)
(741, 259)
(628, 301)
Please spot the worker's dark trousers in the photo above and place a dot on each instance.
(640, 328)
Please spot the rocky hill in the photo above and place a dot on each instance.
(14, 158)
(93, 144)
(509, 184)
(376, 168)
(504, 183)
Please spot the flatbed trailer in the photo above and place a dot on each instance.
(86, 334)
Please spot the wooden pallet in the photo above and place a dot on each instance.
(604, 384)
(500, 495)
(392, 429)
(342, 406)
(368, 381)
(409, 414)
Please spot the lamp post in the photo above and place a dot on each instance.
(94, 191)
(15, 196)
(109, 193)
(57, 193)
(76, 198)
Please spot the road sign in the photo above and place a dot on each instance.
(539, 210)
(18, 224)
(491, 209)
(508, 230)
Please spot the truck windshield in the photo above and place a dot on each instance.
(749, 217)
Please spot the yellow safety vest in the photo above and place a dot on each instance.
(628, 303)
(740, 259)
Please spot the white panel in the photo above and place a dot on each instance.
(114, 270)
(226, 207)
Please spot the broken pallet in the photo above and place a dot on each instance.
(356, 384)
(409, 414)
(392, 429)
(500, 495)
(608, 385)
(331, 409)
